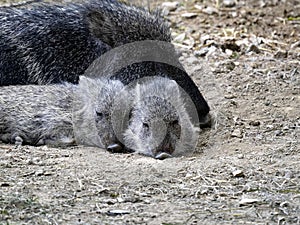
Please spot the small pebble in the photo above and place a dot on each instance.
(238, 173)
(254, 123)
(285, 128)
(240, 156)
(202, 52)
(230, 96)
(229, 3)
(199, 7)
(180, 38)
(211, 50)
(171, 6)
(189, 15)
(117, 212)
(204, 192)
(237, 133)
(248, 201)
(204, 38)
(234, 14)
(288, 174)
(210, 10)
(228, 52)
(39, 173)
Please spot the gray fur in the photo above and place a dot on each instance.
(160, 125)
(92, 108)
(36, 114)
(60, 114)
(47, 43)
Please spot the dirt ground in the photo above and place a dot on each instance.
(245, 58)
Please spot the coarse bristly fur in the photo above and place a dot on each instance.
(46, 43)
(49, 43)
(92, 108)
(160, 125)
(36, 115)
(59, 114)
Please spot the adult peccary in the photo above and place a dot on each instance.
(160, 124)
(45, 43)
(59, 114)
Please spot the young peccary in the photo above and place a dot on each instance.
(59, 114)
(46, 43)
(160, 124)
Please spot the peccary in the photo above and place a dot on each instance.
(160, 124)
(58, 114)
(45, 43)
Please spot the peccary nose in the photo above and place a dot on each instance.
(114, 147)
(162, 155)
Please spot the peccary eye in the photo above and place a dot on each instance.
(99, 114)
(175, 122)
(130, 114)
(145, 125)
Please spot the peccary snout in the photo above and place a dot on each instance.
(154, 124)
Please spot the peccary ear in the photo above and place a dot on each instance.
(176, 87)
(102, 27)
(171, 86)
(83, 80)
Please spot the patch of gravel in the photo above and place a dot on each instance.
(245, 60)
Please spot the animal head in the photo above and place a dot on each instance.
(160, 125)
(92, 112)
